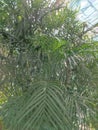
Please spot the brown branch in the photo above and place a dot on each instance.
(91, 28)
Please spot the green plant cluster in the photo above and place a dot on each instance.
(48, 69)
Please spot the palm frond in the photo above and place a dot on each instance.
(45, 104)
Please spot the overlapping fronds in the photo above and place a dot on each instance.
(47, 68)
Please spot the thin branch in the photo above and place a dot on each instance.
(6, 34)
(91, 28)
(52, 9)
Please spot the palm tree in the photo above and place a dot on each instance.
(47, 82)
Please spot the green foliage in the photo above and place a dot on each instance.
(2, 98)
(46, 66)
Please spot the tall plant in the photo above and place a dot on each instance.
(45, 62)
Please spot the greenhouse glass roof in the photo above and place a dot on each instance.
(88, 13)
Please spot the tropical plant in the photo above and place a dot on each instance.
(45, 64)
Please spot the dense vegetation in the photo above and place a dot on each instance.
(48, 67)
